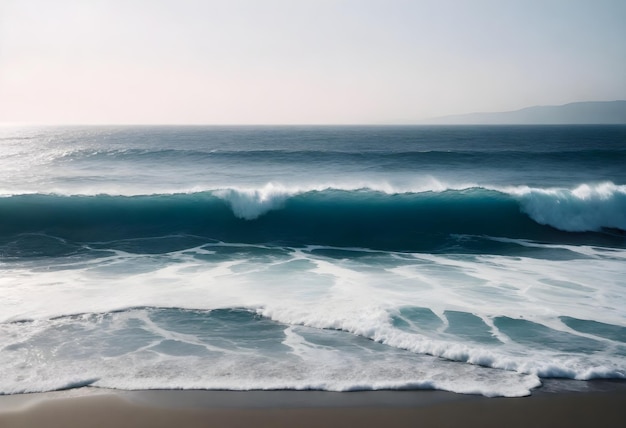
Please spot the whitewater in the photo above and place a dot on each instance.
(469, 259)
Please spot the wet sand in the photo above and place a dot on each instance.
(91, 407)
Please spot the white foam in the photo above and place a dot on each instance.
(344, 367)
(584, 250)
(251, 203)
(584, 208)
(357, 295)
(247, 198)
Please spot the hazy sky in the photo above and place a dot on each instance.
(302, 61)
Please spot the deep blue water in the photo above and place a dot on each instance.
(472, 259)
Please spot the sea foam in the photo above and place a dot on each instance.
(249, 204)
(584, 208)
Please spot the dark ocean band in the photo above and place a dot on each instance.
(399, 222)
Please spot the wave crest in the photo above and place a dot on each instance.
(249, 204)
(583, 209)
(365, 218)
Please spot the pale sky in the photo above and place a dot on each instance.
(302, 61)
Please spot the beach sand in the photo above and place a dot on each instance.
(92, 407)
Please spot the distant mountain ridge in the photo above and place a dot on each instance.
(579, 113)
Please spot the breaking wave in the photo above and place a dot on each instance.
(348, 218)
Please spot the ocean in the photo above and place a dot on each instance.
(472, 259)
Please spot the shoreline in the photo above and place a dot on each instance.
(559, 404)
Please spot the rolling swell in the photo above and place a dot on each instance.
(401, 222)
(400, 160)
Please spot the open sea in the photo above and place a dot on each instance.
(469, 259)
